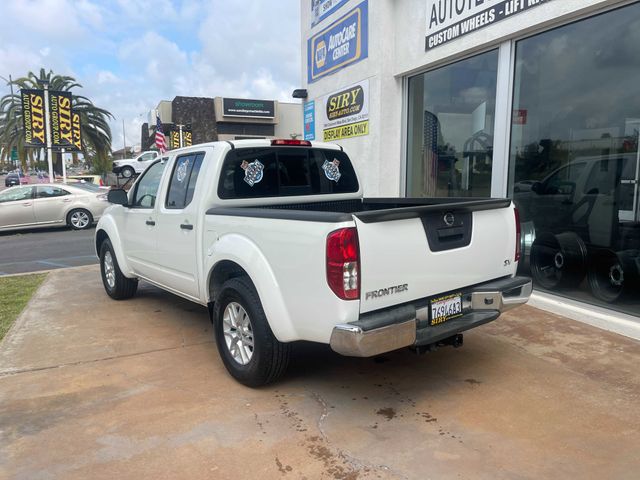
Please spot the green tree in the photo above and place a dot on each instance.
(94, 126)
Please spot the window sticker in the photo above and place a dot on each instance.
(252, 171)
(331, 170)
(181, 174)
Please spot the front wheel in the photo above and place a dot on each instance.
(127, 172)
(115, 283)
(246, 344)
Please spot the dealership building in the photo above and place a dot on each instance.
(536, 100)
(205, 119)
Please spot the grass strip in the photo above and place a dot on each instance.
(15, 292)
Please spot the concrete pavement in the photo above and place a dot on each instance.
(93, 388)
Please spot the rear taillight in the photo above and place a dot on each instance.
(518, 234)
(291, 142)
(343, 263)
(101, 183)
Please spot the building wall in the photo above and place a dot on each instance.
(199, 113)
(289, 120)
(397, 49)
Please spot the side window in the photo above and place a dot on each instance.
(16, 194)
(147, 187)
(50, 192)
(183, 180)
(146, 157)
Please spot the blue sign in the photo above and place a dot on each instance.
(309, 113)
(342, 43)
(321, 9)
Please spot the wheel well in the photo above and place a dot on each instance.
(101, 236)
(222, 272)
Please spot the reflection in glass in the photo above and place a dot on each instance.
(451, 113)
(574, 158)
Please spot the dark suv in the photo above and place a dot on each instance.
(14, 179)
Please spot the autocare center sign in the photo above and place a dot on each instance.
(342, 43)
(345, 113)
(448, 20)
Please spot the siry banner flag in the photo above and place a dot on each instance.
(60, 118)
(174, 138)
(33, 118)
(187, 137)
(75, 128)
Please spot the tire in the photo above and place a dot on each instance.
(115, 283)
(127, 172)
(79, 219)
(558, 261)
(258, 358)
(613, 275)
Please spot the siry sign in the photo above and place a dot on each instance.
(345, 113)
(33, 118)
(451, 19)
(61, 119)
(342, 43)
(239, 107)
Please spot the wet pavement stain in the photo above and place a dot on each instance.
(388, 412)
(284, 469)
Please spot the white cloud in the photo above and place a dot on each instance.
(129, 55)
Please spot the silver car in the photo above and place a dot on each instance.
(49, 204)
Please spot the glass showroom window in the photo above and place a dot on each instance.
(451, 114)
(574, 158)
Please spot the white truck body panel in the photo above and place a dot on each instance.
(285, 258)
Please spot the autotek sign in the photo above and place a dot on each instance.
(451, 19)
(345, 113)
(342, 43)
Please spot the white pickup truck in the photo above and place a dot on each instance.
(277, 240)
(128, 167)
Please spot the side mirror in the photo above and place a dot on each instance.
(536, 187)
(118, 196)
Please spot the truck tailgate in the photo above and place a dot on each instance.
(436, 250)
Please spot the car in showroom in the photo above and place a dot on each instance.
(48, 205)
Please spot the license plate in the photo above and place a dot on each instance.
(446, 308)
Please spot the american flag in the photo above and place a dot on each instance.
(161, 142)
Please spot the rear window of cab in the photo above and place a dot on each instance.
(286, 171)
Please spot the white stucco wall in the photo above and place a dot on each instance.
(397, 49)
(289, 120)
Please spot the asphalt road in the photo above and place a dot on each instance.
(45, 249)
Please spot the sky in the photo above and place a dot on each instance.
(130, 54)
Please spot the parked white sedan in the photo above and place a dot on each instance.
(45, 205)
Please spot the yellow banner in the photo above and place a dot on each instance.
(174, 139)
(33, 118)
(75, 128)
(346, 131)
(187, 138)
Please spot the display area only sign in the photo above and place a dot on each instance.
(345, 113)
(451, 19)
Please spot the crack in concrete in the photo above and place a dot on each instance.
(353, 461)
(9, 373)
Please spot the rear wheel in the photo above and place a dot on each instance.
(127, 172)
(115, 283)
(79, 219)
(246, 344)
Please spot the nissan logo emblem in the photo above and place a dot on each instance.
(449, 219)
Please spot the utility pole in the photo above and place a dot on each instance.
(180, 127)
(124, 141)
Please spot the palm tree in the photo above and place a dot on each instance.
(94, 127)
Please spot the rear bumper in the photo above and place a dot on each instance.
(408, 325)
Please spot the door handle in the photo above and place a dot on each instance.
(66, 200)
(186, 226)
(28, 204)
(150, 223)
